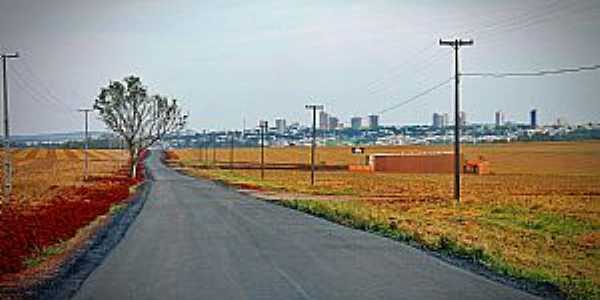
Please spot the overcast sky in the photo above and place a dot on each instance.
(233, 60)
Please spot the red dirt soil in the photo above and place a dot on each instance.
(26, 229)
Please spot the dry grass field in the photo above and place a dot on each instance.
(37, 172)
(51, 202)
(537, 216)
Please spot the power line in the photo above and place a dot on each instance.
(417, 96)
(36, 95)
(39, 91)
(403, 65)
(535, 73)
(44, 92)
(505, 21)
(28, 69)
(423, 72)
(494, 35)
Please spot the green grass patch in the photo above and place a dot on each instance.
(358, 216)
(538, 221)
(44, 254)
(117, 208)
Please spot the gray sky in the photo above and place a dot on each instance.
(230, 60)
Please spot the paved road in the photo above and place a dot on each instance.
(198, 240)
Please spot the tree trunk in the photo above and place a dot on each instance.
(133, 160)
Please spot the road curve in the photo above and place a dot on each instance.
(198, 240)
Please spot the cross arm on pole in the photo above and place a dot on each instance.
(10, 55)
(314, 106)
(455, 43)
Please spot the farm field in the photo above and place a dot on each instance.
(37, 172)
(537, 216)
(580, 156)
(51, 202)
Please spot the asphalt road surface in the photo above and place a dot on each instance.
(198, 240)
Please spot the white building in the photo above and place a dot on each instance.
(499, 118)
(280, 125)
(373, 121)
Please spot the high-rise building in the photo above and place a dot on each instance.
(373, 121)
(323, 120)
(462, 119)
(499, 118)
(445, 120)
(333, 123)
(438, 120)
(356, 123)
(533, 118)
(280, 124)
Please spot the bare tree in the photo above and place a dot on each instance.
(138, 118)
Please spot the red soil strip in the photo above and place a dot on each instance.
(26, 229)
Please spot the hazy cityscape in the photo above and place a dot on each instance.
(357, 131)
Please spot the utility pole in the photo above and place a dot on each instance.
(231, 151)
(206, 145)
(7, 162)
(313, 146)
(200, 145)
(85, 147)
(214, 145)
(456, 44)
(203, 146)
(264, 125)
(244, 129)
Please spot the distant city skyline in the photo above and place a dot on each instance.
(229, 62)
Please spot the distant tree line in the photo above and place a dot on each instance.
(94, 143)
(575, 135)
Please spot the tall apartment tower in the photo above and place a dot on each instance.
(333, 123)
(438, 120)
(499, 118)
(533, 118)
(445, 120)
(356, 123)
(323, 120)
(373, 121)
(280, 124)
(462, 119)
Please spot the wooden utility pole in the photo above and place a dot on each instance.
(7, 162)
(214, 148)
(203, 147)
(85, 145)
(231, 151)
(206, 140)
(264, 125)
(313, 146)
(456, 44)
